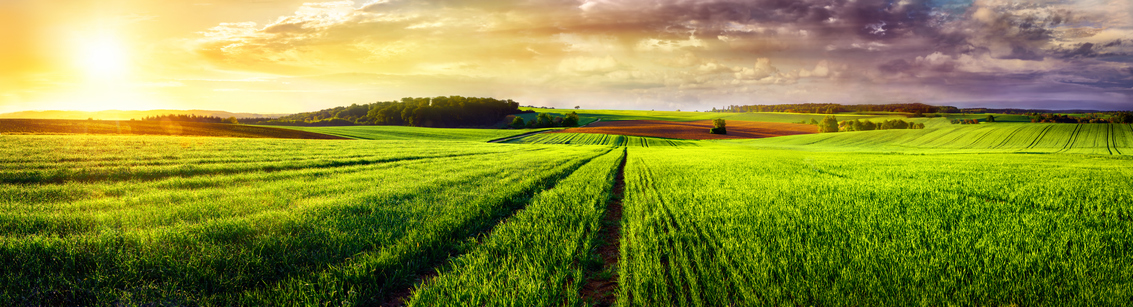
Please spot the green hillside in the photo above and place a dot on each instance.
(415, 133)
(695, 116)
(1116, 139)
(599, 139)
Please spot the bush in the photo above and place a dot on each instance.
(828, 124)
(718, 127)
(571, 120)
(518, 123)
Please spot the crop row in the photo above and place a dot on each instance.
(341, 234)
(539, 256)
(599, 139)
(715, 227)
(997, 137)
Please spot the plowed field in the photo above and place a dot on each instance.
(696, 130)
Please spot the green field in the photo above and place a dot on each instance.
(1003, 214)
(415, 133)
(695, 116)
(217, 221)
(600, 139)
(796, 228)
(1107, 139)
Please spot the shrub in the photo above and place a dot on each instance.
(718, 127)
(828, 124)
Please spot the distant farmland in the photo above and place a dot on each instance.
(693, 130)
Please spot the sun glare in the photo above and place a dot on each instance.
(102, 57)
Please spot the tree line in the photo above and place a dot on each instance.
(832, 108)
(831, 124)
(441, 111)
(544, 120)
(1089, 118)
(192, 118)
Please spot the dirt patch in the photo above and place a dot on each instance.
(696, 130)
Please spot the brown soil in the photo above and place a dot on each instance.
(696, 130)
(128, 127)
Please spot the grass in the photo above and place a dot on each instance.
(729, 226)
(599, 139)
(415, 133)
(537, 257)
(949, 215)
(131, 127)
(356, 223)
(1116, 139)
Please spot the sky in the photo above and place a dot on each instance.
(283, 56)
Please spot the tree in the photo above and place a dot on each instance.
(571, 120)
(813, 122)
(232, 120)
(543, 120)
(576, 107)
(718, 127)
(518, 123)
(990, 119)
(828, 124)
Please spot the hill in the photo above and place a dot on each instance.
(135, 127)
(128, 114)
(415, 133)
(1116, 139)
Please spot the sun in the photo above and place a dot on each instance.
(102, 57)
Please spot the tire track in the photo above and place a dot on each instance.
(1040, 137)
(1009, 137)
(599, 289)
(1072, 140)
(398, 284)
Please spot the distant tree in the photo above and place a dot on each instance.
(543, 120)
(990, 119)
(518, 123)
(232, 120)
(813, 122)
(571, 120)
(1123, 117)
(718, 127)
(576, 107)
(918, 114)
(557, 122)
(828, 124)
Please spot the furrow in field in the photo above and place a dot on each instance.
(1007, 139)
(183, 206)
(1073, 137)
(389, 223)
(1040, 136)
(186, 170)
(389, 273)
(983, 133)
(601, 286)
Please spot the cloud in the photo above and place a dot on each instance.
(721, 49)
(588, 65)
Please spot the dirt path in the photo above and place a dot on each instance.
(601, 286)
